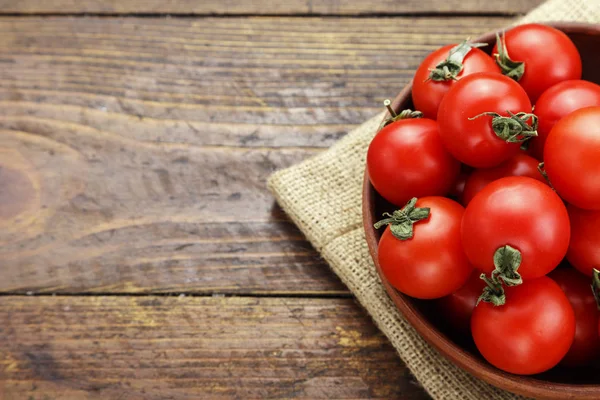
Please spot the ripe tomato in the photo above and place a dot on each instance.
(429, 262)
(520, 212)
(586, 344)
(529, 334)
(547, 55)
(457, 307)
(458, 188)
(583, 253)
(519, 165)
(572, 158)
(557, 102)
(407, 159)
(466, 133)
(427, 93)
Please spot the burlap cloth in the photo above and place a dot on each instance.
(322, 195)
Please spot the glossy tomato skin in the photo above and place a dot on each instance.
(529, 334)
(457, 308)
(473, 142)
(521, 212)
(432, 264)
(427, 94)
(572, 158)
(457, 190)
(519, 165)
(549, 55)
(406, 159)
(557, 102)
(584, 247)
(586, 344)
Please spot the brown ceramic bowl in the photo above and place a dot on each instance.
(558, 383)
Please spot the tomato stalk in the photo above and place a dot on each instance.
(542, 171)
(596, 286)
(512, 69)
(451, 66)
(514, 128)
(506, 263)
(404, 114)
(401, 221)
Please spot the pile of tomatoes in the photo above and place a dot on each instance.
(497, 182)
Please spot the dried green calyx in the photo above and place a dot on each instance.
(596, 286)
(401, 221)
(514, 128)
(510, 68)
(543, 172)
(404, 114)
(451, 66)
(506, 263)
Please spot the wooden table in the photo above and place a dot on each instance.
(142, 256)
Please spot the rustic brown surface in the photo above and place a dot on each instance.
(343, 7)
(186, 348)
(141, 147)
(133, 159)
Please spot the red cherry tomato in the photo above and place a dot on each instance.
(473, 141)
(520, 212)
(427, 94)
(432, 263)
(586, 344)
(529, 334)
(519, 165)
(572, 158)
(549, 55)
(457, 189)
(457, 307)
(407, 159)
(584, 248)
(557, 102)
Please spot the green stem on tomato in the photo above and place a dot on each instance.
(596, 286)
(404, 114)
(507, 260)
(514, 128)
(512, 69)
(542, 171)
(453, 65)
(401, 221)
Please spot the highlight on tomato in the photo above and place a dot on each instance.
(406, 159)
(442, 69)
(558, 102)
(572, 158)
(519, 165)
(420, 252)
(530, 333)
(538, 57)
(484, 118)
(517, 221)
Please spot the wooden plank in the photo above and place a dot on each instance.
(187, 348)
(268, 7)
(135, 151)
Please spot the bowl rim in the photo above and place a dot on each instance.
(523, 385)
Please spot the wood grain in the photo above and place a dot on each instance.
(194, 347)
(135, 151)
(269, 7)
